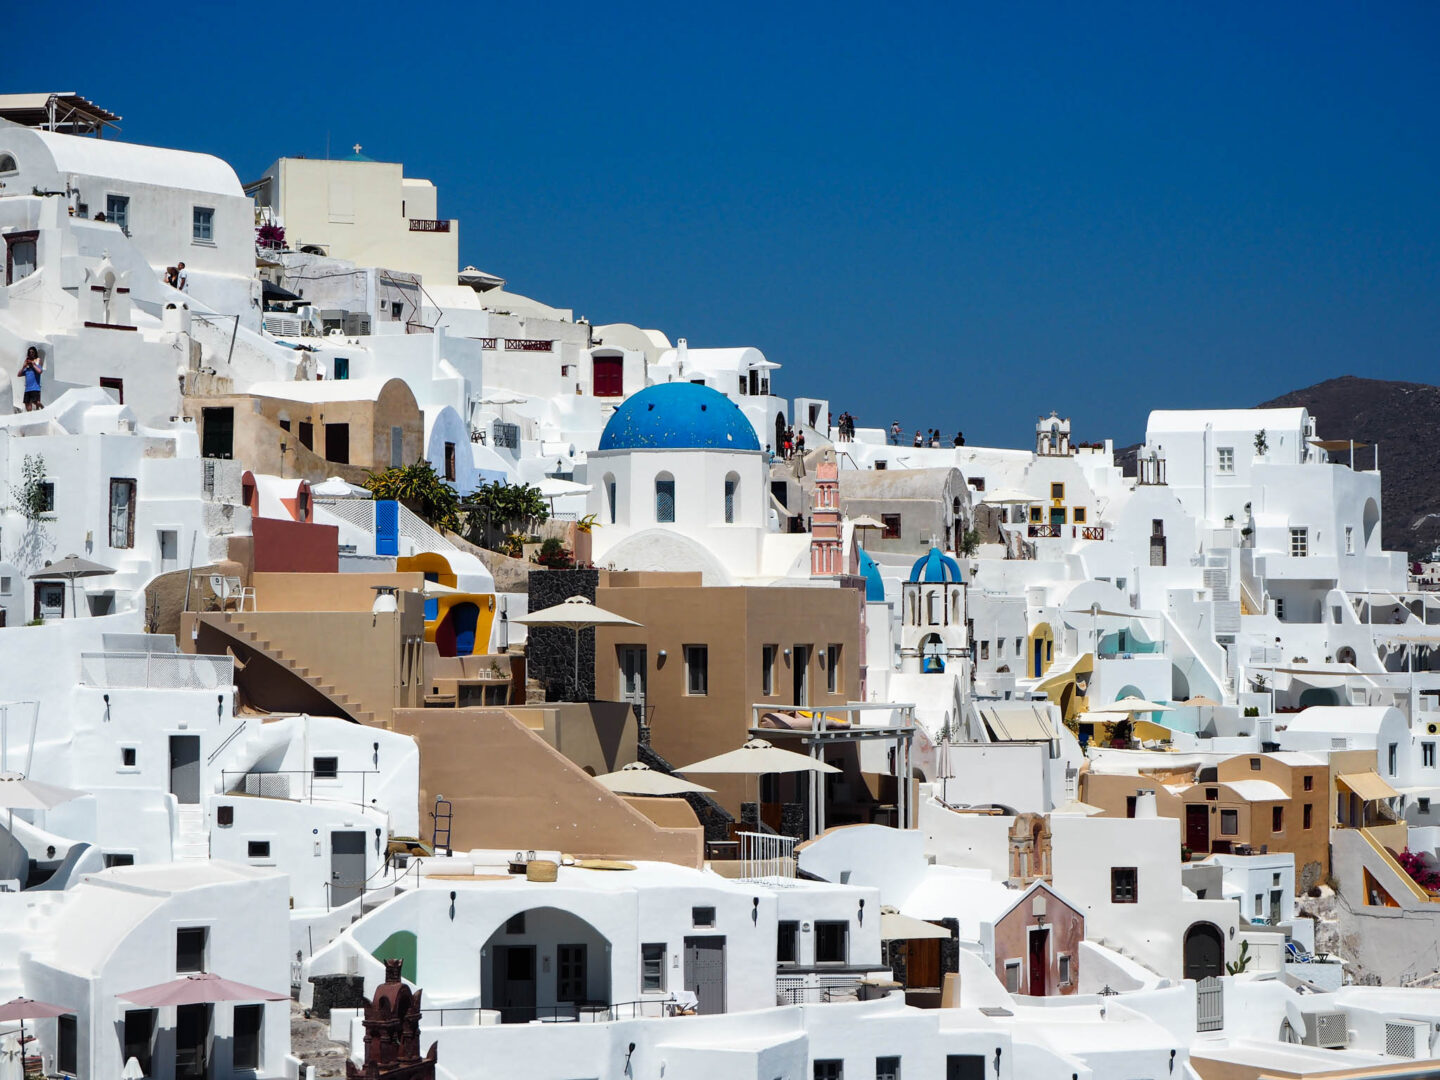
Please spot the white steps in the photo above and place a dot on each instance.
(192, 841)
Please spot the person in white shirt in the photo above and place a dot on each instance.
(182, 278)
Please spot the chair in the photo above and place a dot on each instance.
(1295, 954)
(227, 589)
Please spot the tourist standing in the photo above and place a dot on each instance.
(30, 371)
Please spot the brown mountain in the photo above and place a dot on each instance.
(1404, 419)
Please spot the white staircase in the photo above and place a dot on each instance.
(192, 841)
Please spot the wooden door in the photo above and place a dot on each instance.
(1197, 829)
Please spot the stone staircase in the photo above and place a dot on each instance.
(192, 841)
(247, 642)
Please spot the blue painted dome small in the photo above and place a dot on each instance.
(874, 586)
(936, 566)
(679, 416)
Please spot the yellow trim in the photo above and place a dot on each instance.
(427, 562)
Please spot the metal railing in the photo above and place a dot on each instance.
(816, 989)
(566, 1012)
(275, 783)
(766, 857)
(156, 671)
(1041, 532)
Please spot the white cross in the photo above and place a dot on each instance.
(356, 148)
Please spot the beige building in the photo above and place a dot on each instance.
(313, 429)
(702, 656)
(365, 211)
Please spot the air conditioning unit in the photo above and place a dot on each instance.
(1407, 1038)
(1327, 1029)
(357, 324)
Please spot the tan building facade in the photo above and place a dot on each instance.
(702, 656)
(1267, 802)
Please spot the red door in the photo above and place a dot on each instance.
(609, 376)
(1197, 829)
(1039, 962)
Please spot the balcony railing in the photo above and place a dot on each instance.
(528, 345)
(766, 857)
(1042, 532)
(156, 671)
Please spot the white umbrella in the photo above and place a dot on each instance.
(576, 613)
(132, 1070)
(552, 487)
(637, 778)
(897, 927)
(1008, 495)
(1130, 705)
(19, 793)
(434, 588)
(865, 521)
(1074, 807)
(757, 758)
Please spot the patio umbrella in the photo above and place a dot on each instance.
(68, 569)
(758, 757)
(637, 778)
(1073, 807)
(23, 1008)
(17, 792)
(865, 521)
(575, 614)
(204, 988)
(1202, 701)
(1130, 705)
(897, 927)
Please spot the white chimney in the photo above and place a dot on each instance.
(1145, 804)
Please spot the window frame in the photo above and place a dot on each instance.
(832, 668)
(1225, 460)
(648, 957)
(202, 229)
(251, 1042)
(664, 488)
(769, 657)
(329, 772)
(893, 527)
(1299, 541)
(697, 660)
(1233, 816)
(832, 926)
(204, 950)
(1277, 819)
(1124, 884)
(120, 541)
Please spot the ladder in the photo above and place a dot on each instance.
(440, 824)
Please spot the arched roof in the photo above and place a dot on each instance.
(679, 416)
(136, 164)
(935, 565)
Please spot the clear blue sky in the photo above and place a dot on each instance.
(947, 215)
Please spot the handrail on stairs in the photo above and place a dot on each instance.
(228, 740)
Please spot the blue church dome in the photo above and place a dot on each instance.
(936, 566)
(874, 586)
(679, 416)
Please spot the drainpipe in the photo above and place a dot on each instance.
(1205, 447)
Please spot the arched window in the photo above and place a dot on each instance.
(732, 495)
(8, 164)
(610, 495)
(665, 498)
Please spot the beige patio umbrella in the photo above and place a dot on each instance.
(18, 792)
(895, 926)
(576, 613)
(1130, 705)
(1201, 701)
(758, 757)
(637, 778)
(1073, 807)
(865, 521)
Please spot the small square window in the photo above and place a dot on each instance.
(1254, 764)
(1309, 783)
(1036, 514)
(1057, 491)
(1424, 805)
(1080, 515)
(887, 1068)
(702, 916)
(652, 967)
(1277, 819)
(127, 756)
(1065, 973)
(829, 1069)
(1124, 885)
(327, 768)
(1299, 543)
(1225, 459)
(1229, 822)
(1212, 794)
(225, 816)
(892, 529)
(258, 849)
(1012, 976)
(116, 858)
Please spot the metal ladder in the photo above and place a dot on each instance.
(440, 824)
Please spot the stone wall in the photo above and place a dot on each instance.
(551, 655)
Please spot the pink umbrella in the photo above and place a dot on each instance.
(23, 1008)
(201, 989)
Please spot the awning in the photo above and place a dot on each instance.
(1367, 785)
(896, 927)
(1018, 721)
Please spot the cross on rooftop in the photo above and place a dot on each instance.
(356, 148)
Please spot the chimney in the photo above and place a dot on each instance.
(1145, 804)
